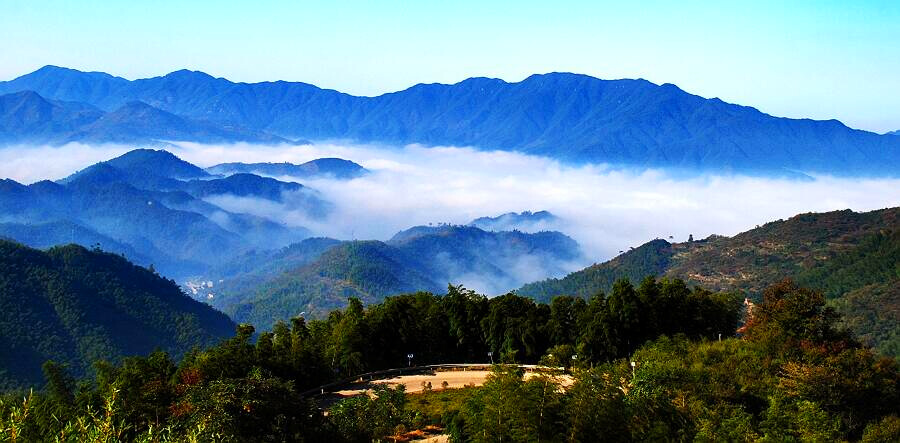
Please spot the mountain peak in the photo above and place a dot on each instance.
(23, 101)
(566, 116)
(483, 80)
(144, 155)
(49, 72)
(565, 80)
(48, 69)
(526, 221)
(136, 119)
(136, 166)
(8, 185)
(158, 162)
(46, 186)
(322, 167)
(560, 75)
(566, 77)
(28, 116)
(187, 74)
(416, 232)
(137, 106)
(95, 175)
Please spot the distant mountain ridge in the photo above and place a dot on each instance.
(321, 274)
(570, 117)
(27, 117)
(156, 209)
(319, 168)
(525, 221)
(138, 121)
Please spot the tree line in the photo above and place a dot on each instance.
(795, 374)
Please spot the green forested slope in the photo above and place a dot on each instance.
(863, 284)
(368, 270)
(845, 254)
(875, 260)
(651, 258)
(76, 306)
(644, 363)
(755, 259)
(422, 258)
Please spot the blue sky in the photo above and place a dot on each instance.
(823, 59)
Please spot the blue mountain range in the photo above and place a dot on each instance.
(318, 168)
(570, 117)
(152, 206)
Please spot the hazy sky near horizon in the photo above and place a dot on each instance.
(815, 59)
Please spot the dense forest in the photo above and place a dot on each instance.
(792, 374)
(75, 306)
(315, 276)
(854, 258)
(750, 261)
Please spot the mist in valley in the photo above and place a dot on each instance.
(606, 209)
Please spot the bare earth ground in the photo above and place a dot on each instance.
(455, 380)
(413, 383)
(443, 438)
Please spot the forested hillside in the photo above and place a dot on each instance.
(76, 306)
(837, 252)
(368, 270)
(156, 209)
(863, 284)
(651, 258)
(644, 363)
(422, 258)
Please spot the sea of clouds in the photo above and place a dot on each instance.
(605, 209)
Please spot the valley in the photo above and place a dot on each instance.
(555, 258)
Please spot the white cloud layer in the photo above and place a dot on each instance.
(605, 209)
